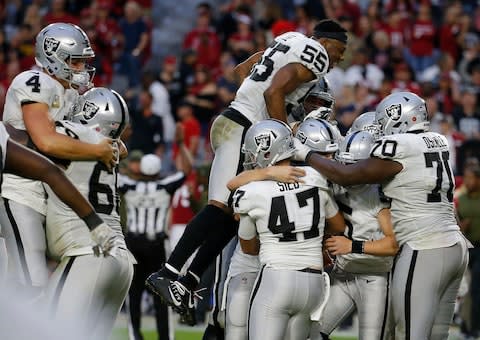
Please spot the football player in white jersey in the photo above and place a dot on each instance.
(318, 134)
(289, 220)
(87, 290)
(34, 101)
(413, 167)
(359, 281)
(287, 70)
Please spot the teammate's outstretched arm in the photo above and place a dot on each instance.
(386, 246)
(279, 173)
(41, 130)
(368, 171)
(26, 163)
(242, 70)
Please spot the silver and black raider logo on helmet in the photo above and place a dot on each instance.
(394, 111)
(264, 141)
(89, 110)
(50, 45)
(301, 136)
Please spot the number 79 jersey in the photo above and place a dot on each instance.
(422, 193)
(290, 47)
(289, 219)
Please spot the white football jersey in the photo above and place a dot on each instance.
(33, 86)
(360, 206)
(289, 219)
(65, 231)
(242, 263)
(291, 47)
(3, 148)
(422, 193)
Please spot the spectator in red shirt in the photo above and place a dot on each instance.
(450, 31)
(242, 43)
(421, 51)
(191, 129)
(396, 29)
(108, 32)
(58, 13)
(203, 39)
(402, 79)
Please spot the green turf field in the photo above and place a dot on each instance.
(121, 334)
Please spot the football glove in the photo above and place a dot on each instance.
(301, 150)
(104, 238)
(320, 113)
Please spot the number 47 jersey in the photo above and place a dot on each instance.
(289, 219)
(422, 193)
(291, 47)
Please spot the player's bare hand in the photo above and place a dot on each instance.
(108, 153)
(338, 245)
(286, 174)
(122, 149)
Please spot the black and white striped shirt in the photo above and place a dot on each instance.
(148, 203)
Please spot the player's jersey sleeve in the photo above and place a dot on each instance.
(33, 86)
(247, 229)
(331, 207)
(306, 51)
(243, 200)
(3, 145)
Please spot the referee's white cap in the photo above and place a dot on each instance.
(150, 165)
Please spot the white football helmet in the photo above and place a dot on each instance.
(366, 122)
(319, 97)
(57, 45)
(319, 135)
(355, 147)
(266, 143)
(103, 110)
(402, 112)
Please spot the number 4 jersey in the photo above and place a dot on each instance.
(291, 47)
(32, 87)
(422, 193)
(289, 219)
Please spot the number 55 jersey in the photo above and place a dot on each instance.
(290, 47)
(289, 219)
(422, 192)
(67, 235)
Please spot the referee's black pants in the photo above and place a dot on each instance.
(150, 255)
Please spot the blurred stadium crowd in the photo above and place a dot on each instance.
(428, 47)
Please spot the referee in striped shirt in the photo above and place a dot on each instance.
(147, 201)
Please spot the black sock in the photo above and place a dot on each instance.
(213, 245)
(196, 232)
(324, 336)
(190, 280)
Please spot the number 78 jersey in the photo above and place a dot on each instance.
(290, 47)
(422, 193)
(289, 219)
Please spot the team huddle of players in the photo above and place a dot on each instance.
(383, 190)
